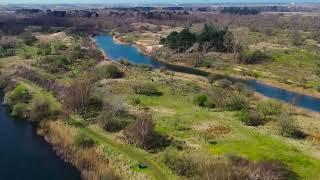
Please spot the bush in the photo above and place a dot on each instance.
(181, 165)
(251, 118)
(243, 89)
(214, 77)
(110, 71)
(42, 107)
(18, 94)
(135, 101)
(219, 96)
(269, 108)
(254, 57)
(223, 83)
(76, 53)
(200, 100)
(59, 46)
(112, 122)
(125, 62)
(288, 128)
(237, 102)
(146, 89)
(84, 141)
(20, 110)
(44, 49)
(143, 67)
(28, 38)
(54, 63)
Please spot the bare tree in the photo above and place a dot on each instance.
(239, 41)
(141, 131)
(78, 95)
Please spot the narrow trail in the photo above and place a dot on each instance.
(158, 171)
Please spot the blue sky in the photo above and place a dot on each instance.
(149, 1)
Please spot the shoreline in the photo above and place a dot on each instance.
(203, 72)
(88, 161)
(105, 56)
(269, 82)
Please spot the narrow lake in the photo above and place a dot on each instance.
(25, 155)
(117, 52)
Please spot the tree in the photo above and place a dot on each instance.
(239, 41)
(78, 95)
(141, 131)
(180, 41)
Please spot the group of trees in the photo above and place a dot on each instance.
(240, 11)
(210, 38)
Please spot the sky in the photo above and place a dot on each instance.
(149, 1)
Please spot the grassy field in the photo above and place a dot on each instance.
(218, 132)
(214, 132)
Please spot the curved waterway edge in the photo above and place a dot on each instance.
(116, 52)
(26, 155)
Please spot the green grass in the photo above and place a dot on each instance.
(156, 169)
(175, 115)
(256, 146)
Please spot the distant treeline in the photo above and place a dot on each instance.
(240, 10)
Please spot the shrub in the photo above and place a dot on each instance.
(28, 38)
(243, 89)
(254, 57)
(44, 49)
(114, 116)
(269, 108)
(251, 118)
(111, 122)
(54, 63)
(214, 77)
(182, 165)
(163, 69)
(125, 62)
(8, 45)
(200, 100)
(135, 101)
(94, 53)
(219, 96)
(84, 141)
(20, 110)
(59, 45)
(110, 71)
(76, 53)
(18, 94)
(288, 128)
(42, 107)
(146, 89)
(223, 83)
(143, 67)
(237, 102)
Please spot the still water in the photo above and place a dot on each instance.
(25, 155)
(117, 52)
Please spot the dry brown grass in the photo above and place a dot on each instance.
(90, 161)
(61, 36)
